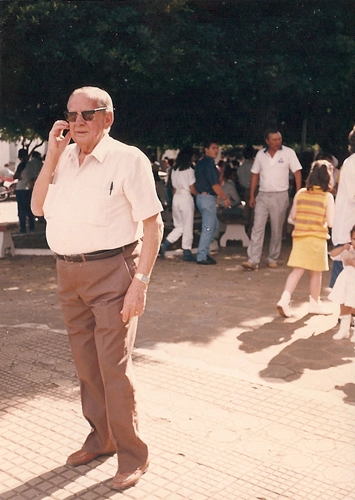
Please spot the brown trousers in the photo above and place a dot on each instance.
(91, 296)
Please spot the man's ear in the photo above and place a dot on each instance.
(108, 119)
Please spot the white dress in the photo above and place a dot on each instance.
(343, 291)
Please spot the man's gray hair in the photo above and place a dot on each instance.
(102, 97)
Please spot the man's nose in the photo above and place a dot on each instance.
(79, 118)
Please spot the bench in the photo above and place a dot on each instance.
(6, 243)
(234, 229)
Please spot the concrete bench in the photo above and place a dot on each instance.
(234, 229)
(6, 242)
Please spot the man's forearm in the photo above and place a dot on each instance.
(153, 233)
(135, 298)
(44, 178)
(298, 179)
(217, 188)
(254, 184)
(57, 143)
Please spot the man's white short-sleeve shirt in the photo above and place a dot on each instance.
(100, 204)
(344, 214)
(274, 170)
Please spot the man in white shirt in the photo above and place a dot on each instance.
(344, 213)
(98, 197)
(270, 171)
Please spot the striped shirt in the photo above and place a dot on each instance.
(311, 213)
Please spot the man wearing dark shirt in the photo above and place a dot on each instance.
(208, 187)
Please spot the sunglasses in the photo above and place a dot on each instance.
(88, 116)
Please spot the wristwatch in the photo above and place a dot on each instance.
(142, 277)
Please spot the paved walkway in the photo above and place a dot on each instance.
(211, 435)
(249, 407)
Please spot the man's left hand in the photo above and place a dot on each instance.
(134, 301)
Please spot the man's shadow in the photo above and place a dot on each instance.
(51, 481)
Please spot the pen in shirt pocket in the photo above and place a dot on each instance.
(111, 188)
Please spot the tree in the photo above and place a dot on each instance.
(183, 70)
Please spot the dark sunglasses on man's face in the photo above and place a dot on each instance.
(88, 116)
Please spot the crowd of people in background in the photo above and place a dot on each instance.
(271, 184)
(257, 186)
(23, 180)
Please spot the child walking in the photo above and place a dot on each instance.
(312, 214)
(343, 291)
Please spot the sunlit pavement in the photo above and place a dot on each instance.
(8, 211)
(235, 402)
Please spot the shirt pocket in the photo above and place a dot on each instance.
(95, 208)
(89, 207)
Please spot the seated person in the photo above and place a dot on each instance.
(229, 189)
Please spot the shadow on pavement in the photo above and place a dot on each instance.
(54, 480)
(309, 346)
(276, 332)
(317, 352)
(349, 391)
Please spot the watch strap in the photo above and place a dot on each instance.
(142, 277)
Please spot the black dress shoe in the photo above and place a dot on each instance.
(208, 261)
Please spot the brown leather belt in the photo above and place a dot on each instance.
(99, 254)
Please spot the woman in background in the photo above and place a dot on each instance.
(183, 182)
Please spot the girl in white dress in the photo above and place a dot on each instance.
(343, 291)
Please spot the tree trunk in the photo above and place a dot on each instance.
(304, 134)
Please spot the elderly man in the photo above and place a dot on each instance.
(98, 197)
(270, 171)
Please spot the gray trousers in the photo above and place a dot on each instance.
(273, 205)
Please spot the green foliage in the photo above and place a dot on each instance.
(183, 70)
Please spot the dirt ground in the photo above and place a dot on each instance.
(185, 301)
(28, 291)
(221, 316)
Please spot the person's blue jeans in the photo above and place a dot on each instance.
(23, 198)
(337, 268)
(206, 204)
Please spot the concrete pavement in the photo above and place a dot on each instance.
(212, 435)
(235, 402)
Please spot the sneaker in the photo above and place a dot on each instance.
(343, 334)
(273, 265)
(317, 307)
(249, 266)
(344, 330)
(283, 305)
